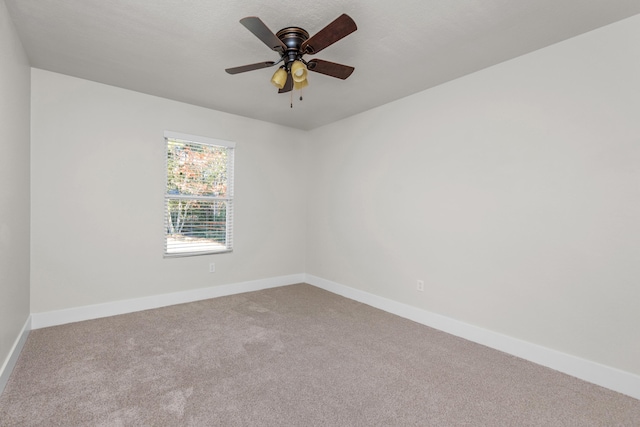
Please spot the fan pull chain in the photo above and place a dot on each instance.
(291, 98)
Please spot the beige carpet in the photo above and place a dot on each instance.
(290, 356)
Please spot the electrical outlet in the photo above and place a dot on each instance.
(420, 285)
(212, 267)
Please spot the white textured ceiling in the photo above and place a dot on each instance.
(178, 49)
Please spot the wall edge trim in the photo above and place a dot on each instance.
(14, 353)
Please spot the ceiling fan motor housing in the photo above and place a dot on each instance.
(292, 37)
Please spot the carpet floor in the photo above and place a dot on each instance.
(290, 356)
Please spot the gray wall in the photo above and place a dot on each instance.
(98, 183)
(514, 193)
(14, 185)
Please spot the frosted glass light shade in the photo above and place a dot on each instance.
(300, 85)
(279, 78)
(298, 71)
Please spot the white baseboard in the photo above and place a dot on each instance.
(596, 373)
(96, 311)
(14, 353)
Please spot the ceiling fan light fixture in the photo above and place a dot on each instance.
(298, 71)
(279, 78)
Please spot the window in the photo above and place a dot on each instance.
(198, 215)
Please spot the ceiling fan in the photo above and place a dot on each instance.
(292, 43)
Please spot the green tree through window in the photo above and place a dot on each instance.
(199, 195)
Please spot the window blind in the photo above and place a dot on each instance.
(199, 195)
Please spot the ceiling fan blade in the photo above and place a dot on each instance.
(261, 31)
(288, 86)
(338, 29)
(330, 68)
(250, 67)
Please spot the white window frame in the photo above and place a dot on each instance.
(228, 199)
